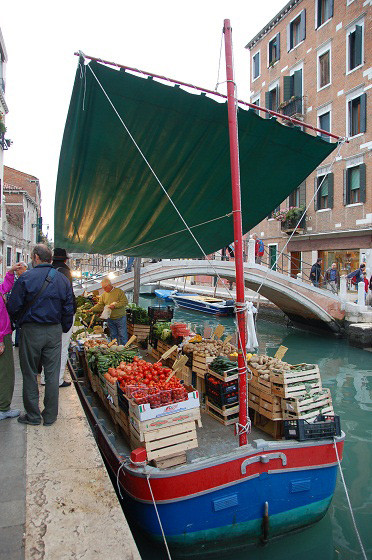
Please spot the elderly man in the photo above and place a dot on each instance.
(41, 304)
(332, 278)
(115, 299)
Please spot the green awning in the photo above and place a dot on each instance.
(107, 199)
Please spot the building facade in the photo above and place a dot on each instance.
(3, 144)
(21, 223)
(312, 61)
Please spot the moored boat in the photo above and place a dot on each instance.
(164, 294)
(205, 304)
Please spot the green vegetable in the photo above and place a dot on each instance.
(138, 314)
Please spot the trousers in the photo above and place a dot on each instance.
(118, 329)
(66, 337)
(6, 374)
(40, 343)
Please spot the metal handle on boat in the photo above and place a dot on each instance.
(262, 459)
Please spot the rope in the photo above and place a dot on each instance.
(117, 479)
(157, 515)
(340, 144)
(219, 64)
(349, 503)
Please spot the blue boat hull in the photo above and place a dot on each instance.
(202, 307)
(164, 294)
(295, 500)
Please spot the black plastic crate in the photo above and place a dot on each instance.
(221, 387)
(222, 400)
(324, 427)
(161, 313)
(122, 400)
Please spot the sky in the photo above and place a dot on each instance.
(180, 40)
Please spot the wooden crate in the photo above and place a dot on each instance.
(296, 389)
(225, 415)
(272, 427)
(270, 406)
(181, 417)
(122, 420)
(264, 385)
(200, 364)
(112, 395)
(185, 374)
(166, 442)
(287, 379)
(223, 377)
(140, 331)
(200, 385)
(93, 379)
(171, 461)
(163, 347)
(155, 354)
(307, 407)
(254, 401)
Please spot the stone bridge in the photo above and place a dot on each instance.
(302, 303)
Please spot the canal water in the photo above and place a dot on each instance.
(347, 372)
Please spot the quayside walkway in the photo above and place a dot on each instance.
(56, 498)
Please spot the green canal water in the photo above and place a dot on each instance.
(347, 372)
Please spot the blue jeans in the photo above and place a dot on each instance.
(118, 329)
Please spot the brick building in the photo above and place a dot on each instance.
(22, 200)
(3, 144)
(312, 61)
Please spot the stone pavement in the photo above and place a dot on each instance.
(56, 499)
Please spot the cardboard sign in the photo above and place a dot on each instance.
(130, 341)
(180, 362)
(280, 352)
(167, 353)
(218, 331)
(227, 339)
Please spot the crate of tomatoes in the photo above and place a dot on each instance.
(149, 393)
(221, 392)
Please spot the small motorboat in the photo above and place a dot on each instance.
(165, 294)
(205, 304)
(147, 289)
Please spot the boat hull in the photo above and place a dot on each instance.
(210, 309)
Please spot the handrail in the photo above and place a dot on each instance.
(264, 458)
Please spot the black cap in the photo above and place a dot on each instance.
(60, 254)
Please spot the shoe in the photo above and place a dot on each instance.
(49, 423)
(23, 419)
(66, 384)
(9, 413)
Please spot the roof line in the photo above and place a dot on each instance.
(272, 23)
(211, 92)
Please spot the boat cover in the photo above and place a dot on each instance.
(108, 200)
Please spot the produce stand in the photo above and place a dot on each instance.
(138, 322)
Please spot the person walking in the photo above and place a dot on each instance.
(259, 249)
(116, 300)
(332, 278)
(7, 374)
(357, 275)
(59, 262)
(41, 304)
(316, 272)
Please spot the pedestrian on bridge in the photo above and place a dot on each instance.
(316, 272)
(116, 300)
(332, 278)
(41, 304)
(259, 249)
(357, 275)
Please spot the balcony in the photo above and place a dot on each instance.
(294, 107)
(4, 143)
(2, 85)
(290, 223)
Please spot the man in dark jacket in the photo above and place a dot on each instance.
(41, 304)
(316, 272)
(357, 275)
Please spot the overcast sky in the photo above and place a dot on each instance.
(180, 40)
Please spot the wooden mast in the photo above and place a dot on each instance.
(238, 231)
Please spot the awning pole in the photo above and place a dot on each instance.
(238, 231)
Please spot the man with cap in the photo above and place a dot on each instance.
(116, 300)
(60, 258)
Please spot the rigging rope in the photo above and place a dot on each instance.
(158, 516)
(349, 502)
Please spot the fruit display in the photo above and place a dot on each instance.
(161, 330)
(221, 364)
(209, 348)
(266, 364)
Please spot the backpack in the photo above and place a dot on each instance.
(261, 247)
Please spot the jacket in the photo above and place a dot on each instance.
(116, 296)
(54, 306)
(327, 276)
(63, 268)
(316, 272)
(357, 274)
(5, 287)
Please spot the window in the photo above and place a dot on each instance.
(256, 66)
(271, 215)
(324, 11)
(354, 45)
(292, 94)
(255, 101)
(296, 30)
(357, 115)
(324, 69)
(324, 196)
(355, 184)
(272, 99)
(274, 49)
(298, 196)
(325, 124)
(18, 256)
(8, 256)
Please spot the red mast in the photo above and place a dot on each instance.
(238, 232)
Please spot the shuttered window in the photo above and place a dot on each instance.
(274, 49)
(324, 196)
(298, 196)
(355, 184)
(256, 65)
(355, 47)
(357, 111)
(324, 69)
(324, 11)
(325, 124)
(296, 30)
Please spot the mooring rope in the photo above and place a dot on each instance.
(158, 516)
(349, 502)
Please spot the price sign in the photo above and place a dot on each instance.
(280, 352)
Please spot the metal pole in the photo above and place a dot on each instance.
(238, 231)
(137, 279)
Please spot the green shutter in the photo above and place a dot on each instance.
(287, 87)
(363, 112)
(297, 83)
(358, 45)
(362, 182)
(302, 196)
(346, 187)
(316, 194)
(331, 8)
(354, 178)
(323, 191)
(330, 189)
(278, 46)
(319, 13)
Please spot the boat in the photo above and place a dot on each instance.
(205, 304)
(147, 289)
(164, 294)
(230, 490)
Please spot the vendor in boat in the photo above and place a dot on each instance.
(116, 301)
